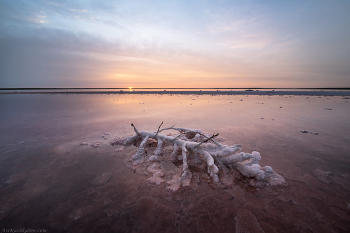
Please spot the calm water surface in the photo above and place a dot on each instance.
(48, 180)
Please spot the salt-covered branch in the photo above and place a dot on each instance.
(196, 149)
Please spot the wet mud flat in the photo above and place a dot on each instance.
(51, 180)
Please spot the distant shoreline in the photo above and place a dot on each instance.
(187, 92)
(174, 88)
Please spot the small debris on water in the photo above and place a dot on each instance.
(306, 131)
(96, 144)
(327, 109)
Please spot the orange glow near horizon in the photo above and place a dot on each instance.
(208, 74)
(200, 82)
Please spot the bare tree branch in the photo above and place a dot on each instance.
(159, 128)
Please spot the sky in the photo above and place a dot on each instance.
(168, 43)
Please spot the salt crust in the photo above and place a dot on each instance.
(193, 151)
(102, 179)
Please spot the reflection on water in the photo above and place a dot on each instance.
(51, 180)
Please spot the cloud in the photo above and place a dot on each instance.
(108, 42)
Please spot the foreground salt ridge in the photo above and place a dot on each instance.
(223, 163)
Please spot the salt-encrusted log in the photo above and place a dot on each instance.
(212, 168)
(191, 145)
(158, 151)
(141, 151)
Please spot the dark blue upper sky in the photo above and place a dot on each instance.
(198, 43)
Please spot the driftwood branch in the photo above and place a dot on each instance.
(193, 146)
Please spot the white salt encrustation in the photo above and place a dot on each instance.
(223, 163)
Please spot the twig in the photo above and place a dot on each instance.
(136, 131)
(159, 128)
(213, 136)
(211, 139)
(179, 135)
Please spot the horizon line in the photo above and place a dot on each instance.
(127, 88)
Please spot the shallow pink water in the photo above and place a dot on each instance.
(50, 181)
